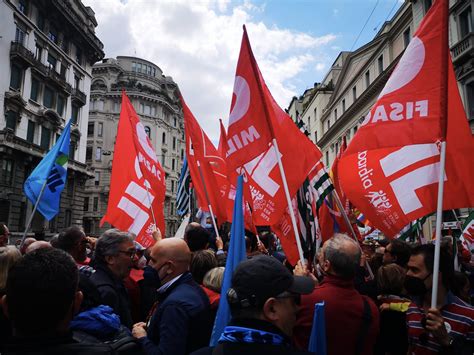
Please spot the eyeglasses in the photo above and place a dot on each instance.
(296, 296)
(131, 253)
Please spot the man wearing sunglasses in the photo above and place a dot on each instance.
(113, 260)
(263, 301)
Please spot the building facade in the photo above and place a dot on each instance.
(47, 49)
(156, 100)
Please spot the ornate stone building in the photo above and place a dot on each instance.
(155, 99)
(47, 49)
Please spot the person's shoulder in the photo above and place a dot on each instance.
(458, 306)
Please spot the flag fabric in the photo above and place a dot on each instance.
(52, 169)
(182, 195)
(317, 340)
(235, 255)
(255, 119)
(467, 236)
(137, 184)
(393, 178)
(207, 167)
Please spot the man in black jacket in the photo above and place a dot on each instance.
(112, 260)
(182, 321)
(263, 302)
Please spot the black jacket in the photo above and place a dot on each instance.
(182, 321)
(112, 293)
(228, 348)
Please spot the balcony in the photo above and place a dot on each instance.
(19, 52)
(463, 50)
(58, 79)
(79, 96)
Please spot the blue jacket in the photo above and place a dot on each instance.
(182, 322)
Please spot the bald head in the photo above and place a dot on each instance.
(170, 257)
(40, 244)
(341, 256)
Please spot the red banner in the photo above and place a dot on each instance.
(137, 183)
(395, 154)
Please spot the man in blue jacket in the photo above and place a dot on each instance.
(182, 320)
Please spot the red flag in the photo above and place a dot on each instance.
(204, 158)
(395, 153)
(137, 184)
(255, 119)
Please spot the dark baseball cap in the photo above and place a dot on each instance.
(257, 279)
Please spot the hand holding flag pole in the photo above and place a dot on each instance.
(208, 200)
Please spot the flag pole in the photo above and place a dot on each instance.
(208, 200)
(35, 207)
(288, 200)
(349, 225)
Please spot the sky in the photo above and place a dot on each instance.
(197, 42)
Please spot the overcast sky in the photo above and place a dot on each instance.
(197, 42)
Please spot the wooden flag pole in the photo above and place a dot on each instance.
(32, 214)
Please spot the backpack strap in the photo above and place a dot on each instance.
(364, 329)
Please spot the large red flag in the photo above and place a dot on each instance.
(255, 119)
(391, 167)
(203, 158)
(137, 184)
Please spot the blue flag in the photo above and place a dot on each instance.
(182, 196)
(317, 340)
(235, 255)
(52, 170)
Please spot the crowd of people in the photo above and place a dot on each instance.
(75, 294)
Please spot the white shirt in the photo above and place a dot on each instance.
(164, 287)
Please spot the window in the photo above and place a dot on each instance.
(6, 176)
(154, 72)
(148, 131)
(72, 150)
(172, 164)
(354, 93)
(343, 105)
(174, 121)
(35, 86)
(20, 36)
(97, 178)
(335, 115)
(88, 153)
(116, 106)
(30, 134)
(16, 77)
(142, 108)
(327, 158)
(90, 129)
(465, 22)
(67, 218)
(75, 114)
(86, 204)
(316, 114)
(60, 105)
(315, 136)
(380, 64)
(470, 100)
(38, 52)
(337, 147)
(99, 105)
(45, 138)
(100, 129)
(48, 97)
(355, 130)
(52, 61)
(77, 81)
(153, 111)
(40, 20)
(134, 66)
(70, 187)
(53, 34)
(328, 123)
(172, 186)
(427, 5)
(23, 7)
(163, 138)
(406, 37)
(95, 205)
(78, 56)
(98, 154)
(11, 118)
(182, 154)
(367, 79)
(147, 110)
(174, 143)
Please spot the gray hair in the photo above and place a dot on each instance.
(213, 279)
(342, 261)
(109, 244)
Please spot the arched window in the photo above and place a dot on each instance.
(148, 131)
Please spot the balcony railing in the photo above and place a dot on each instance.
(18, 50)
(59, 79)
(462, 49)
(79, 96)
